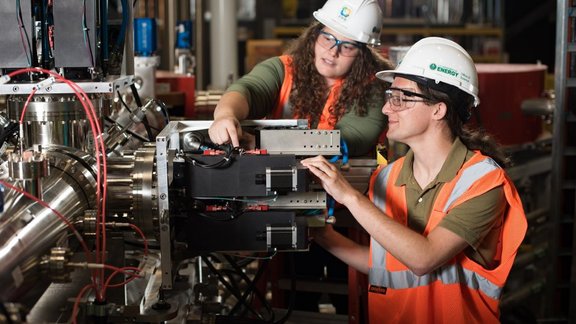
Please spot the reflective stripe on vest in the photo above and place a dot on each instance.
(469, 176)
(380, 191)
(448, 274)
(379, 198)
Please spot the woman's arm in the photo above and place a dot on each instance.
(252, 96)
(231, 108)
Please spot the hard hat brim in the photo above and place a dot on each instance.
(389, 75)
(386, 75)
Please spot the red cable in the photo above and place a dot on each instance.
(91, 286)
(26, 106)
(77, 301)
(99, 148)
(117, 271)
(141, 233)
(45, 205)
(101, 178)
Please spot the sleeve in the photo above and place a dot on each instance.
(261, 87)
(361, 133)
(474, 219)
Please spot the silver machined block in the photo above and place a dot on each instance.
(300, 141)
(300, 200)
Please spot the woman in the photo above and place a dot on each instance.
(326, 76)
(445, 220)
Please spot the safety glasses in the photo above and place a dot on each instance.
(402, 99)
(345, 48)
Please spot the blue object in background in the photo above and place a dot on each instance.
(344, 150)
(144, 36)
(184, 34)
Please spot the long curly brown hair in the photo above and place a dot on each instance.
(310, 90)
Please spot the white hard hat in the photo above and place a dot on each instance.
(360, 20)
(441, 60)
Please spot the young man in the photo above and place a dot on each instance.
(445, 220)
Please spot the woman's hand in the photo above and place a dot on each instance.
(225, 130)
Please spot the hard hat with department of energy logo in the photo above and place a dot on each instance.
(360, 20)
(441, 60)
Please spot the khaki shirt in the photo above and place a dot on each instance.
(478, 221)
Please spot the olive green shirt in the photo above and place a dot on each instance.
(478, 221)
(262, 86)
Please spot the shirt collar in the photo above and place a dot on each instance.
(459, 153)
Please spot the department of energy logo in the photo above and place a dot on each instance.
(444, 69)
(345, 13)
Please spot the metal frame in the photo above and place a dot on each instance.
(167, 144)
(559, 151)
(108, 86)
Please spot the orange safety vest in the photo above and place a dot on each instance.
(461, 291)
(327, 121)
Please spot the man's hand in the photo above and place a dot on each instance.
(332, 180)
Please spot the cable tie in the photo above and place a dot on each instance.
(45, 83)
(4, 79)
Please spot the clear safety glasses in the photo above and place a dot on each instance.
(402, 99)
(345, 48)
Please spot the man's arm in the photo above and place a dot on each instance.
(421, 254)
(350, 252)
